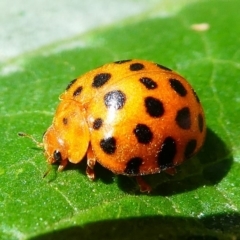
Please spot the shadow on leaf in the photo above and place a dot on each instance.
(224, 226)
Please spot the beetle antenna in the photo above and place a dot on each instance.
(22, 134)
(48, 171)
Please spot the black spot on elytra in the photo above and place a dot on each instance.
(133, 166)
(136, 66)
(190, 148)
(163, 67)
(122, 61)
(100, 79)
(70, 84)
(183, 118)
(143, 133)
(115, 99)
(97, 123)
(148, 83)
(167, 153)
(178, 87)
(77, 91)
(65, 121)
(196, 96)
(57, 156)
(108, 145)
(200, 122)
(154, 107)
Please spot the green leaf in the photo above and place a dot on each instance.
(202, 201)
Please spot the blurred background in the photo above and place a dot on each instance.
(42, 22)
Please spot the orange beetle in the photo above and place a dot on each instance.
(134, 117)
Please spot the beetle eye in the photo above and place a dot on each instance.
(57, 156)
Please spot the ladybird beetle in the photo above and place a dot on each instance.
(134, 117)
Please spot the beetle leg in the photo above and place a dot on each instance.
(171, 171)
(91, 160)
(62, 165)
(144, 187)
